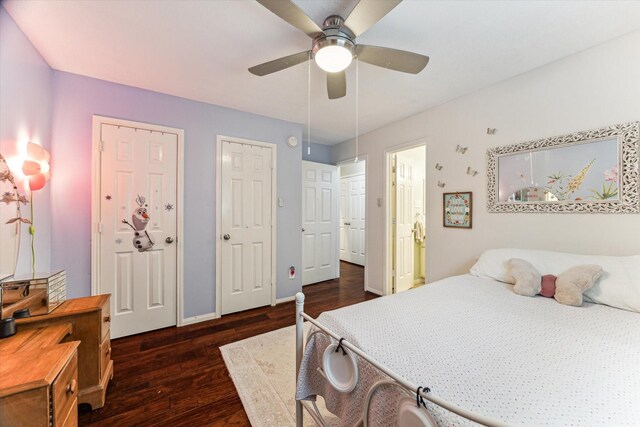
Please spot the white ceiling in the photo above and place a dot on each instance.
(201, 50)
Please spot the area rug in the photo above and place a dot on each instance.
(263, 370)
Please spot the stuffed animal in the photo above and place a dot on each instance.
(567, 288)
(141, 239)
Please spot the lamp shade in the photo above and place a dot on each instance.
(36, 166)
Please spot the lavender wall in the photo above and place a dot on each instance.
(320, 153)
(76, 99)
(25, 115)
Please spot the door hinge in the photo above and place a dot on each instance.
(101, 146)
(100, 227)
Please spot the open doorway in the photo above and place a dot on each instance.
(406, 216)
(352, 206)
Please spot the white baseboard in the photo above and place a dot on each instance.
(375, 291)
(197, 319)
(285, 299)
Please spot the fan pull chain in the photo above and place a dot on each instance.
(309, 107)
(357, 105)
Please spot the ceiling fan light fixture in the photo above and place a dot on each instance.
(333, 53)
(333, 59)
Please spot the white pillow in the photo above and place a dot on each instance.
(619, 285)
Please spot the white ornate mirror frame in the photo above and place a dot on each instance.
(628, 200)
(9, 221)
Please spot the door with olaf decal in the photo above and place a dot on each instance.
(138, 223)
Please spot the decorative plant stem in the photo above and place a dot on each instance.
(32, 232)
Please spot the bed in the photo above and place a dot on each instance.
(502, 358)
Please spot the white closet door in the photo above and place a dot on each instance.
(352, 218)
(319, 222)
(344, 219)
(404, 224)
(246, 226)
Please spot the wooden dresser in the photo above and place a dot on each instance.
(90, 324)
(39, 386)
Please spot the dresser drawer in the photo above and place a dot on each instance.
(72, 416)
(65, 391)
(105, 319)
(105, 354)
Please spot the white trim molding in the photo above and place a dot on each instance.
(197, 319)
(387, 270)
(96, 156)
(286, 299)
(218, 220)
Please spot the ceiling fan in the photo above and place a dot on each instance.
(334, 45)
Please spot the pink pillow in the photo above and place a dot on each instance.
(548, 286)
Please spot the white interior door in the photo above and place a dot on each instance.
(356, 218)
(404, 224)
(138, 183)
(345, 253)
(319, 222)
(352, 218)
(246, 226)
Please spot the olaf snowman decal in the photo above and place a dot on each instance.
(139, 220)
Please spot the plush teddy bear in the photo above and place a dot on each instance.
(567, 288)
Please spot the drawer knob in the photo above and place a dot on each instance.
(71, 387)
(107, 318)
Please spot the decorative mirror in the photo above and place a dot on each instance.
(591, 172)
(10, 221)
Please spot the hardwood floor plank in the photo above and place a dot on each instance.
(177, 377)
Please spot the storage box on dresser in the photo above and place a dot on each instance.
(40, 293)
(91, 319)
(40, 387)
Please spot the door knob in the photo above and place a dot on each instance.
(226, 237)
(303, 230)
(169, 240)
(347, 223)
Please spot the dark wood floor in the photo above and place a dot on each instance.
(176, 376)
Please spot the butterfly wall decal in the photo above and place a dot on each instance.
(460, 149)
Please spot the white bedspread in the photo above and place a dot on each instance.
(525, 361)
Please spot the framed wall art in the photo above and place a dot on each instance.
(591, 172)
(457, 209)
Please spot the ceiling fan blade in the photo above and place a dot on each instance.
(336, 84)
(368, 12)
(291, 13)
(280, 63)
(393, 59)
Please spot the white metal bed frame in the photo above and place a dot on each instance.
(311, 407)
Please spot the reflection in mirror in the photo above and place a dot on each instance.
(10, 221)
(587, 171)
(532, 194)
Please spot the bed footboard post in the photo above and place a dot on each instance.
(299, 349)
